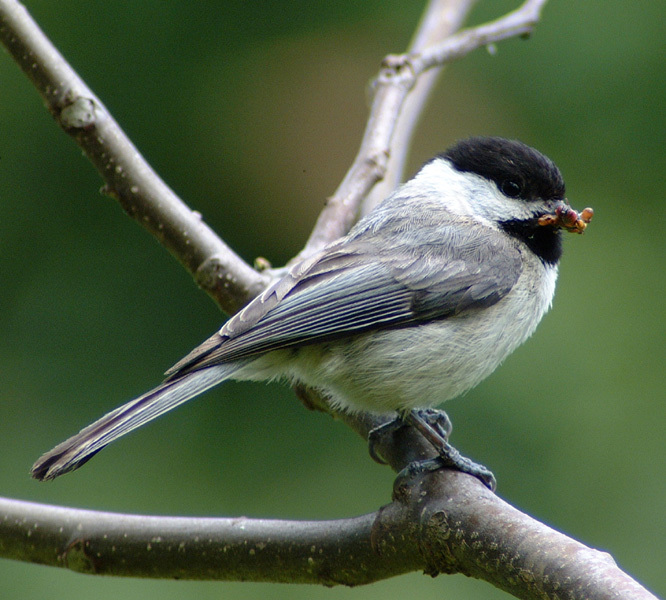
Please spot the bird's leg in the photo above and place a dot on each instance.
(448, 457)
(437, 419)
(435, 426)
(374, 435)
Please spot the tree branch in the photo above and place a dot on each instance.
(440, 19)
(399, 74)
(444, 522)
(127, 176)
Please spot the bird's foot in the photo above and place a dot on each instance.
(448, 457)
(453, 460)
(435, 426)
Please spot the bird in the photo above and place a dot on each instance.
(423, 299)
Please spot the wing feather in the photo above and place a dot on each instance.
(370, 282)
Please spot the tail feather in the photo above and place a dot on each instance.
(80, 448)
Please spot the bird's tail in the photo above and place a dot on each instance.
(78, 449)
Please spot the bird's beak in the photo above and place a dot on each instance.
(567, 218)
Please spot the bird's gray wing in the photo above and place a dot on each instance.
(370, 282)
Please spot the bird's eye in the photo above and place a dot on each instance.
(511, 188)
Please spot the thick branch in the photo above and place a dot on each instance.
(127, 176)
(194, 548)
(444, 523)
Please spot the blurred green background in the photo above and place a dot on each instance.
(252, 111)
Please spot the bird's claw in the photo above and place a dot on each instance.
(436, 427)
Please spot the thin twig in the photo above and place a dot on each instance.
(520, 22)
(391, 89)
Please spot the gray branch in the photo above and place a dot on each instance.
(445, 522)
(433, 47)
(441, 19)
(127, 176)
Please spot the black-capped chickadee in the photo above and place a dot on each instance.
(419, 302)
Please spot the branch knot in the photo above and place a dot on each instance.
(397, 69)
(81, 113)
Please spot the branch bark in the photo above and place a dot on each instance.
(127, 176)
(442, 523)
(433, 47)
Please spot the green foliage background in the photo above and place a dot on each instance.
(252, 111)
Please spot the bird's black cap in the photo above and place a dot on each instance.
(518, 170)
